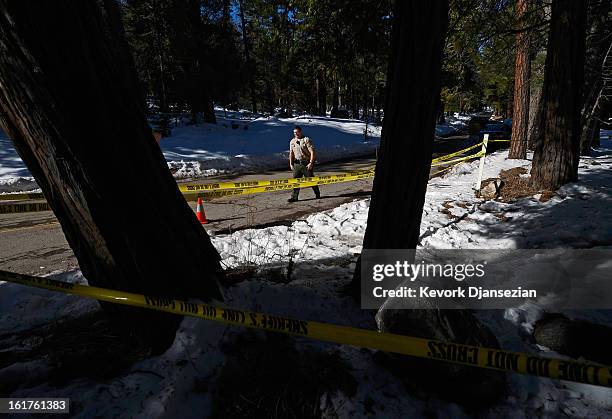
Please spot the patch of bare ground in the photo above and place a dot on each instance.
(447, 205)
(446, 211)
(515, 186)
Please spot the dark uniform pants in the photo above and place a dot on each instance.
(300, 170)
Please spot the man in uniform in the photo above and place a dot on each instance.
(301, 160)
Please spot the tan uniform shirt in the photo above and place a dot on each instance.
(302, 148)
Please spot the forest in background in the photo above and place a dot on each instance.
(321, 56)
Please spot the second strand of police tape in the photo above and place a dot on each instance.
(212, 190)
(216, 190)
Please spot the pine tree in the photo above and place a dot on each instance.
(397, 201)
(555, 160)
(522, 75)
(598, 60)
(71, 104)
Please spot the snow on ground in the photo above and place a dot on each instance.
(579, 215)
(575, 218)
(14, 175)
(235, 144)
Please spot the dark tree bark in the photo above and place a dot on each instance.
(335, 98)
(534, 130)
(321, 93)
(412, 101)
(197, 56)
(209, 109)
(589, 135)
(366, 105)
(598, 50)
(441, 117)
(522, 74)
(269, 96)
(508, 102)
(555, 159)
(162, 78)
(354, 106)
(378, 99)
(398, 196)
(247, 57)
(161, 85)
(188, 41)
(69, 101)
(412, 97)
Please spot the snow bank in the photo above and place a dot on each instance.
(235, 144)
(575, 218)
(14, 175)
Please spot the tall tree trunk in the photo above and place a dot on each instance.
(158, 42)
(335, 98)
(397, 201)
(598, 51)
(190, 12)
(555, 159)
(534, 112)
(378, 92)
(321, 93)
(589, 135)
(411, 101)
(69, 101)
(269, 96)
(440, 118)
(163, 98)
(536, 122)
(354, 106)
(247, 57)
(522, 74)
(203, 101)
(209, 109)
(508, 103)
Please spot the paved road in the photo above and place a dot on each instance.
(233, 213)
(33, 243)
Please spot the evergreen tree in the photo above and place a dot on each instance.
(599, 53)
(555, 159)
(71, 105)
(522, 75)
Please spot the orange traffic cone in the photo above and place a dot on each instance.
(200, 212)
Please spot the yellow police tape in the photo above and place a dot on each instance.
(284, 184)
(441, 161)
(21, 196)
(459, 160)
(217, 190)
(456, 153)
(445, 169)
(24, 207)
(496, 359)
(342, 177)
